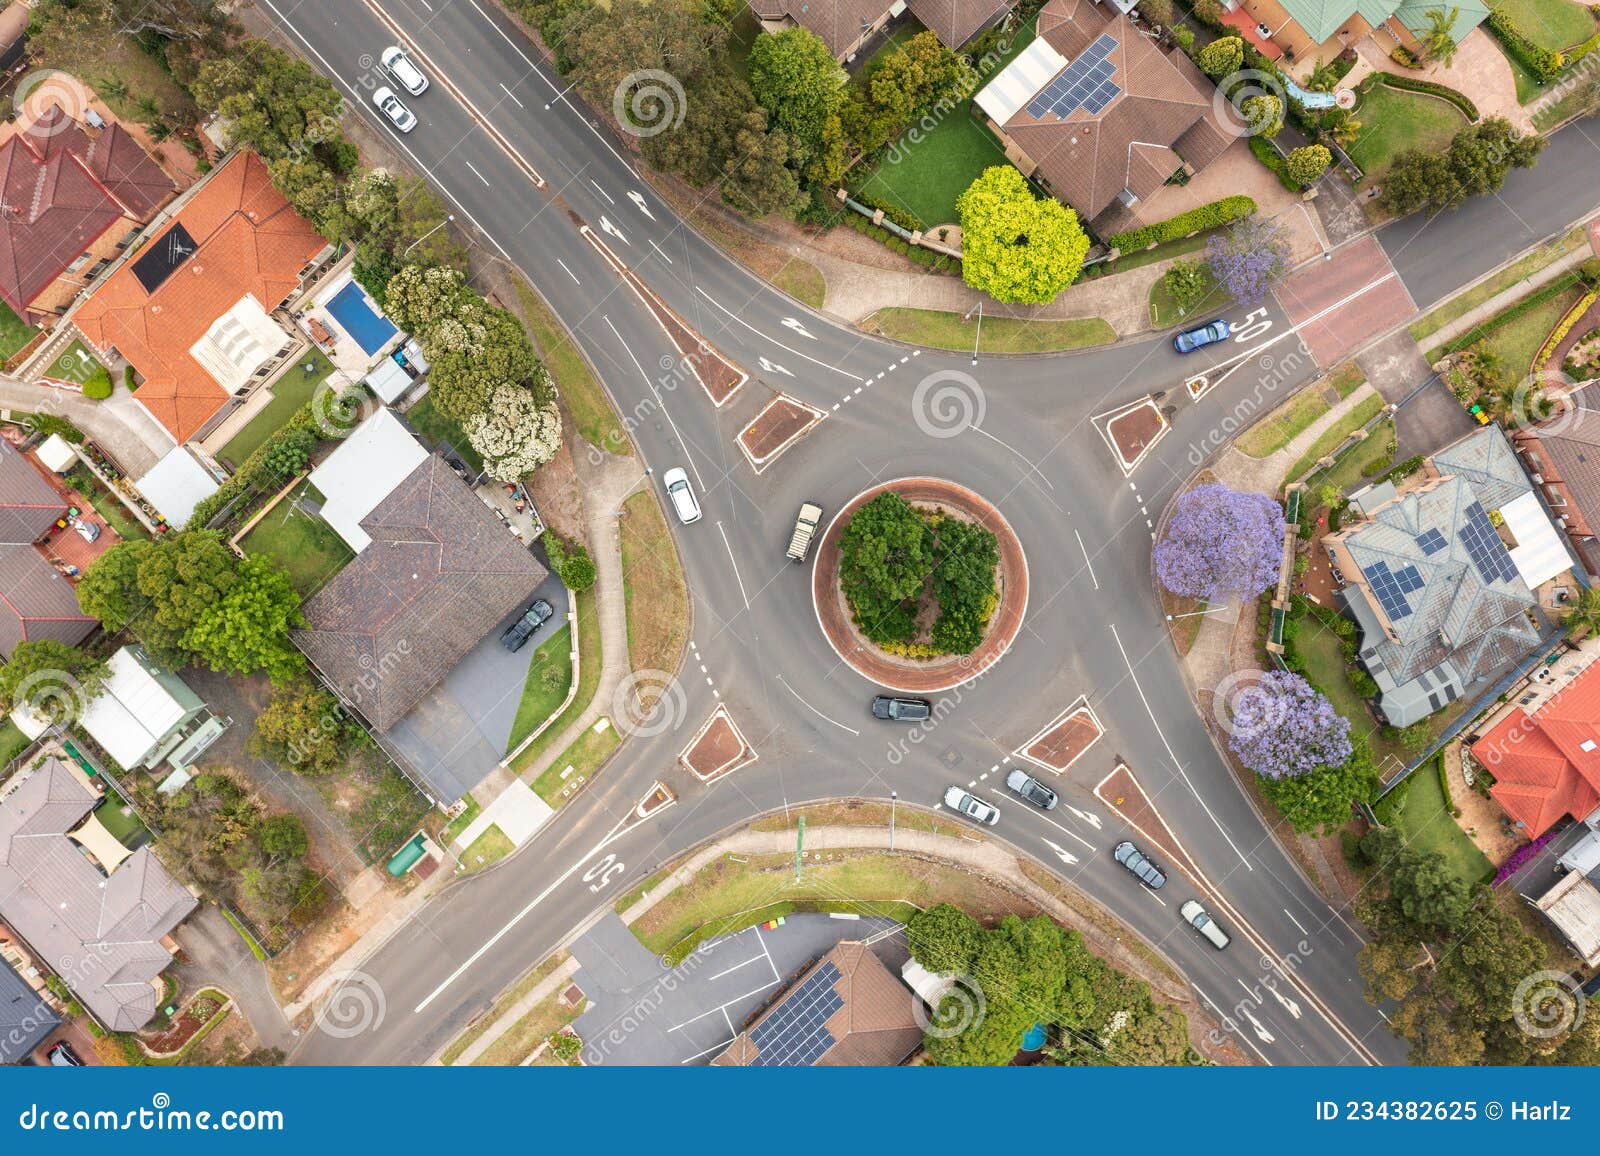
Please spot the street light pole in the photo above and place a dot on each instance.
(978, 336)
(428, 234)
(894, 797)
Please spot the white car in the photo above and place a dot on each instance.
(684, 503)
(389, 104)
(398, 65)
(972, 807)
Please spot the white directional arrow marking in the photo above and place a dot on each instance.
(774, 367)
(1289, 1005)
(638, 199)
(794, 323)
(1262, 1033)
(1088, 817)
(605, 223)
(1064, 855)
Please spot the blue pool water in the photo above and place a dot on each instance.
(1314, 100)
(370, 329)
(1034, 1038)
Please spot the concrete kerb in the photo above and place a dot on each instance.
(572, 687)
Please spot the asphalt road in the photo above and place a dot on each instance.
(1093, 626)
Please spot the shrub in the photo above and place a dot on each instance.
(1263, 113)
(1186, 283)
(98, 385)
(1520, 857)
(1221, 56)
(1444, 784)
(1444, 91)
(1541, 62)
(289, 454)
(1185, 37)
(1307, 163)
(899, 214)
(1404, 57)
(1578, 53)
(49, 423)
(129, 379)
(1209, 13)
(1264, 151)
(1564, 326)
(1208, 216)
(571, 562)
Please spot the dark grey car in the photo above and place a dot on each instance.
(1032, 790)
(1136, 861)
(525, 627)
(901, 709)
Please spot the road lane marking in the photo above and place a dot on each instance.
(601, 191)
(512, 95)
(779, 344)
(1086, 560)
(665, 412)
(813, 709)
(1295, 921)
(735, 561)
(660, 251)
(570, 273)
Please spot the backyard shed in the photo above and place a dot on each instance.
(176, 485)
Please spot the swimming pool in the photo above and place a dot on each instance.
(370, 329)
(1307, 99)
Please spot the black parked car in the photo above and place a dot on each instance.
(901, 709)
(525, 627)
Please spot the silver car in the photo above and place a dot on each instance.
(1031, 789)
(971, 806)
(389, 104)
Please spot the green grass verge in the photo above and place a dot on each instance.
(585, 756)
(1365, 411)
(1296, 415)
(549, 676)
(1361, 463)
(249, 940)
(14, 333)
(442, 432)
(1393, 120)
(461, 822)
(1517, 342)
(292, 390)
(653, 587)
(940, 330)
(12, 742)
(306, 547)
(1429, 827)
(487, 849)
(1164, 309)
(1454, 308)
(590, 657)
(1551, 24)
(586, 400)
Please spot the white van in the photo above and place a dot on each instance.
(684, 503)
(1201, 921)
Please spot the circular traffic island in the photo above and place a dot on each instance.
(919, 584)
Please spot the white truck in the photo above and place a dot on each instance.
(805, 526)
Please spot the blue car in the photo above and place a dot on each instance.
(1208, 334)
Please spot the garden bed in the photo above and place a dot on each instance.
(186, 1027)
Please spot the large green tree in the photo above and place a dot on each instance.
(885, 557)
(1017, 247)
(303, 727)
(606, 45)
(1479, 159)
(796, 79)
(1321, 801)
(900, 86)
(52, 680)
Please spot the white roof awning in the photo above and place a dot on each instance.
(133, 713)
(1539, 553)
(176, 485)
(238, 343)
(56, 454)
(388, 380)
(1020, 81)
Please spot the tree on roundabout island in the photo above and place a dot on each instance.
(892, 556)
(1222, 545)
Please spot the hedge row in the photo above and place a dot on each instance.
(1505, 317)
(1541, 62)
(1268, 155)
(255, 471)
(1413, 84)
(916, 252)
(1205, 217)
(1574, 55)
(899, 214)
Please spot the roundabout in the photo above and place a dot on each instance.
(908, 674)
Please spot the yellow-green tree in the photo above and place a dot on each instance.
(1017, 247)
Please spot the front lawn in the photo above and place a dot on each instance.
(12, 742)
(1164, 308)
(1361, 463)
(14, 334)
(941, 330)
(590, 655)
(1275, 431)
(75, 363)
(1517, 342)
(294, 387)
(1393, 120)
(487, 849)
(1551, 24)
(1365, 411)
(303, 544)
(549, 676)
(1429, 827)
(1458, 306)
(926, 175)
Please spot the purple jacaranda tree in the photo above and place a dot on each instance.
(1222, 545)
(1248, 259)
(1282, 728)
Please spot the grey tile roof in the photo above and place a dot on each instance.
(29, 505)
(25, 1019)
(101, 934)
(440, 573)
(36, 602)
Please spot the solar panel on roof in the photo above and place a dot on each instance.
(1080, 84)
(1488, 553)
(1391, 588)
(796, 1033)
(1430, 541)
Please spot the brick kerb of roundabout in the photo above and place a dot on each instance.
(905, 675)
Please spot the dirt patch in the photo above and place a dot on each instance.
(193, 1016)
(1134, 431)
(1064, 742)
(554, 487)
(719, 749)
(900, 674)
(783, 422)
(654, 589)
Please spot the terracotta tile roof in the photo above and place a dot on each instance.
(248, 241)
(840, 23)
(51, 210)
(955, 22)
(874, 1024)
(115, 158)
(1547, 764)
(1163, 113)
(440, 572)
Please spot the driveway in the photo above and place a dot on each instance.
(643, 1013)
(215, 955)
(118, 425)
(461, 729)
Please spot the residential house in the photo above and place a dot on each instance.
(1098, 114)
(97, 915)
(145, 716)
(191, 310)
(438, 571)
(1545, 761)
(845, 26)
(71, 198)
(363, 470)
(1563, 457)
(846, 1010)
(37, 600)
(1442, 573)
(26, 1020)
(1307, 32)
